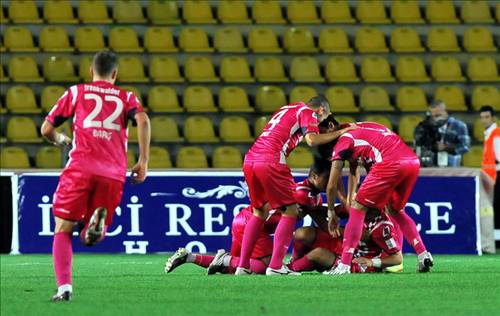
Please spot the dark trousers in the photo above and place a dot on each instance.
(496, 201)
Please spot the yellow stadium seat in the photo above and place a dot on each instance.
(59, 69)
(299, 40)
(49, 157)
(345, 119)
(198, 99)
(14, 158)
(163, 99)
(198, 12)
(191, 157)
(124, 39)
(259, 125)
(336, 11)
(3, 76)
(93, 11)
(233, 12)
(442, 39)
(128, 11)
(302, 12)
(235, 129)
(24, 69)
(235, 69)
(441, 12)
(474, 157)
(498, 12)
(135, 91)
(192, 39)
(334, 40)
(164, 69)
(199, 129)
(50, 96)
(263, 40)
(300, 157)
(19, 39)
(269, 98)
(22, 130)
(229, 40)
(131, 69)
(58, 11)
(89, 39)
(371, 12)
(84, 69)
(162, 12)
(405, 40)
(474, 11)
(485, 95)
(131, 160)
(54, 39)
(132, 133)
(406, 12)
(381, 119)
(200, 69)
(407, 125)
(341, 100)
(2, 48)
(411, 99)
(478, 130)
(227, 157)
(370, 40)
(478, 39)
(302, 94)
(411, 69)
(159, 40)
(21, 99)
(452, 96)
(24, 11)
(446, 69)
(374, 98)
(267, 12)
(482, 68)
(234, 99)
(340, 69)
(159, 158)
(305, 69)
(164, 129)
(376, 69)
(269, 69)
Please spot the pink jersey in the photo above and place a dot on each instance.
(100, 113)
(283, 133)
(305, 194)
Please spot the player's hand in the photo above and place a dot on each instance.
(139, 172)
(441, 146)
(62, 140)
(333, 225)
(362, 261)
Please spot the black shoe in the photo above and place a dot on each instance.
(65, 296)
(177, 259)
(425, 262)
(95, 229)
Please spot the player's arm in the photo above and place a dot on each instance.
(331, 193)
(315, 139)
(49, 132)
(140, 169)
(389, 261)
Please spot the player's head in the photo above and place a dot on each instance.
(486, 116)
(104, 66)
(320, 105)
(319, 173)
(438, 112)
(329, 124)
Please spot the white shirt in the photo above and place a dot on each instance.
(496, 143)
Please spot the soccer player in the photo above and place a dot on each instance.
(91, 184)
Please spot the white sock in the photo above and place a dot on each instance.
(190, 257)
(65, 288)
(226, 261)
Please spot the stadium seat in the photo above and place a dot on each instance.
(162, 12)
(50, 96)
(442, 39)
(446, 69)
(406, 12)
(199, 129)
(411, 69)
(229, 40)
(66, 129)
(340, 69)
(199, 69)
(164, 69)
(58, 11)
(263, 40)
(341, 100)
(3, 18)
(131, 70)
(159, 40)
(336, 11)
(3, 75)
(24, 69)
(478, 39)
(305, 69)
(235, 69)
(302, 12)
(132, 133)
(299, 40)
(302, 94)
(373, 98)
(235, 129)
(59, 69)
(131, 160)
(441, 12)
(478, 130)
(485, 95)
(93, 12)
(24, 12)
(159, 158)
(13, 158)
(234, 99)
(269, 69)
(376, 69)
(498, 12)
(474, 157)
(128, 11)
(227, 157)
(54, 39)
(192, 39)
(198, 99)
(89, 39)
(474, 11)
(233, 12)
(22, 130)
(407, 125)
(191, 157)
(300, 157)
(452, 96)
(135, 91)
(370, 40)
(21, 99)
(405, 40)
(84, 68)
(371, 12)
(19, 39)
(124, 40)
(411, 99)
(269, 99)
(381, 119)
(164, 130)
(197, 12)
(334, 40)
(163, 99)
(267, 12)
(49, 157)
(345, 119)
(482, 68)
(259, 125)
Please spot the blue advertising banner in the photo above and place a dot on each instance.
(195, 210)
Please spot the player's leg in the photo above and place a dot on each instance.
(303, 240)
(182, 256)
(317, 259)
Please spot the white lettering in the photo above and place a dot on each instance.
(238, 208)
(198, 244)
(416, 209)
(174, 220)
(209, 219)
(99, 133)
(140, 249)
(101, 90)
(46, 216)
(134, 217)
(118, 229)
(435, 218)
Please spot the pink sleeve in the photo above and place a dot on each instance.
(308, 122)
(64, 108)
(343, 149)
(385, 237)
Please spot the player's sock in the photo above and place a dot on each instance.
(257, 266)
(200, 260)
(282, 238)
(301, 264)
(62, 253)
(250, 236)
(299, 250)
(409, 229)
(352, 234)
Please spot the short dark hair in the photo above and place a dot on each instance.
(104, 63)
(320, 166)
(319, 101)
(329, 119)
(487, 108)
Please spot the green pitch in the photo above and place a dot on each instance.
(136, 285)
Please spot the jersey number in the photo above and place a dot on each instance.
(276, 119)
(108, 123)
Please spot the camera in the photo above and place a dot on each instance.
(426, 137)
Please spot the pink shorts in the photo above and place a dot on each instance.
(263, 246)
